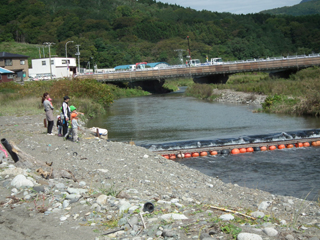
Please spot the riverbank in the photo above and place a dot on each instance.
(113, 181)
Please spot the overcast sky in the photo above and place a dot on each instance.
(233, 6)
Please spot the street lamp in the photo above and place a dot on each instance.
(66, 48)
(78, 54)
(67, 58)
(49, 45)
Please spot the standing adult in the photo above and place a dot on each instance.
(66, 115)
(48, 108)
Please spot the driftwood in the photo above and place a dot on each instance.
(43, 168)
(235, 212)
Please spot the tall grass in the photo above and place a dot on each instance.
(300, 94)
(201, 91)
(89, 96)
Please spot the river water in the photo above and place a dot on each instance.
(162, 121)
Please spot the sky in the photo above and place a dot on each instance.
(233, 6)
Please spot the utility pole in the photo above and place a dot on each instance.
(67, 58)
(189, 48)
(39, 52)
(49, 45)
(78, 54)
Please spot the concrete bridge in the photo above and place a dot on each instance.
(153, 79)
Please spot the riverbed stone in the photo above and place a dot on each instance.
(289, 237)
(271, 232)
(78, 191)
(257, 214)
(248, 236)
(173, 216)
(102, 199)
(264, 205)
(226, 217)
(21, 181)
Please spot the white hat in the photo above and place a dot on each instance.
(58, 116)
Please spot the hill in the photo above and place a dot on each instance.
(305, 7)
(116, 32)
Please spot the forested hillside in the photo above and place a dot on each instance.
(305, 7)
(116, 32)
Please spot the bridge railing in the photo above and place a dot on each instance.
(224, 68)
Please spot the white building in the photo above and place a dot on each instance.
(61, 67)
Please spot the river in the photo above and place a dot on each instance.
(160, 120)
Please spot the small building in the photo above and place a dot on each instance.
(61, 67)
(157, 65)
(16, 63)
(6, 75)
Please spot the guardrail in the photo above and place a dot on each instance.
(250, 65)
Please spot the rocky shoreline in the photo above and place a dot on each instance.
(231, 96)
(112, 182)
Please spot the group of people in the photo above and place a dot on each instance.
(67, 120)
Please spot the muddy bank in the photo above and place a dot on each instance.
(112, 182)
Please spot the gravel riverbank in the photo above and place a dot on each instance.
(112, 182)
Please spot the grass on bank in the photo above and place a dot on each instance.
(173, 84)
(89, 96)
(300, 94)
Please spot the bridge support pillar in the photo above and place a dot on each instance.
(283, 73)
(152, 86)
(216, 78)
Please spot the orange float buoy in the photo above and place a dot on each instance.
(187, 155)
(195, 154)
(235, 151)
(289, 145)
(172, 156)
(165, 156)
(250, 149)
(306, 144)
(203, 154)
(242, 150)
(263, 148)
(318, 143)
(213, 153)
(314, 144)
(281, 146)
(271, 148)
(299, 145)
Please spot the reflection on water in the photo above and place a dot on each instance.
(173, 118)
(289, 172)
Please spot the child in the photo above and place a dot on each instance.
(75, 128)
(59, 125)
(73, 110)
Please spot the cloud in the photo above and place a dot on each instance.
(233, 6)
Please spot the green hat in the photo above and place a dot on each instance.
(72, 108)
